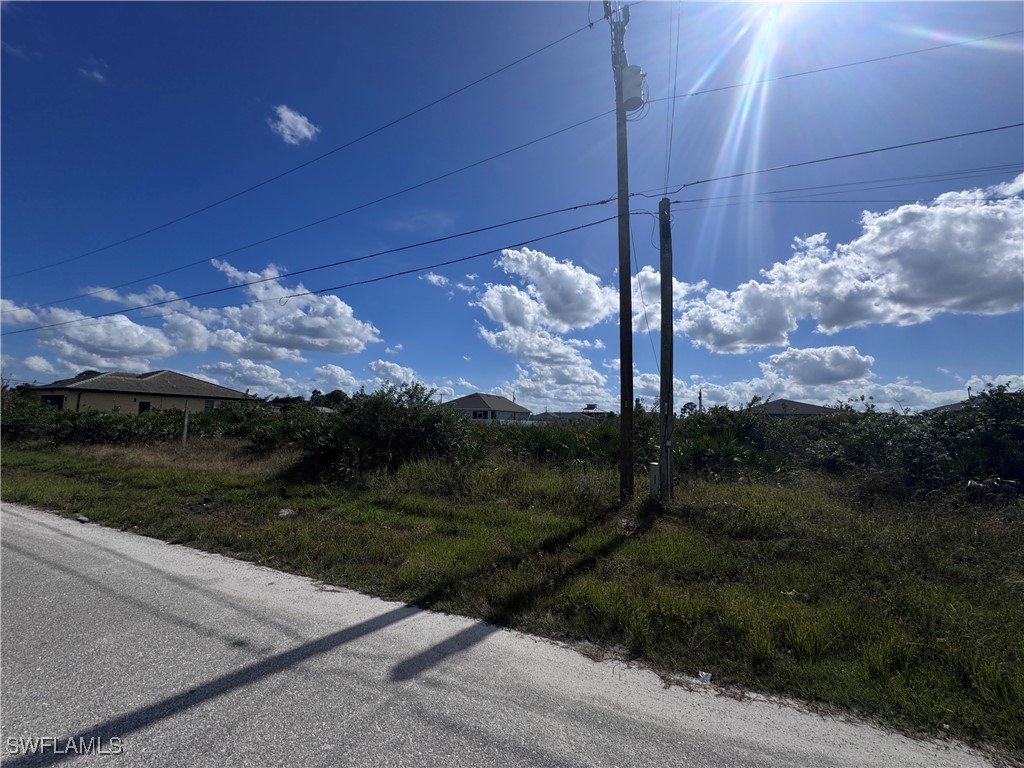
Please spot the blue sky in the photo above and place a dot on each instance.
(896, 275)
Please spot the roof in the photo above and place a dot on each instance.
(789, 408)
(590, 413)
(482, 402)
(152, 383)
(948, 408)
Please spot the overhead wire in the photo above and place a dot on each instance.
(640, 287)
(833, 67)
(765, 170)
(107, 289)
(674, 67)
(830, 158)
(316, 159)
(450, 173)
(961, 173)
(438, 265)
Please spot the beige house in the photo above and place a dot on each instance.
(122, 392)
(489, 408)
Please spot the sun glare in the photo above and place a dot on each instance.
(748, 48)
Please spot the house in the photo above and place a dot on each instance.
(789, 408)
(489, 408)
(948, 408)
(118, 391)
(590, 413)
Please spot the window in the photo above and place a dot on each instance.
(207, 405)
(57, 401)
(143, 406)
(479, 414)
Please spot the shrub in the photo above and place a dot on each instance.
(381, 431)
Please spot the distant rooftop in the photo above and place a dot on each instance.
(152, 383)
(481, 402)
(789, 408)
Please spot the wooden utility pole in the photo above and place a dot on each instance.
(625, 271)
(667, 350)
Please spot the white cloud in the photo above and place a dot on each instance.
(823, 365)
(291, 126)
(646, 292)
(94, 69)
(38, 364)
(439, 280)
(386, 372)
(393, 350)
(272, 326)
(979, 383)
(257, 378)
(331, 377)
(510, 306)
(14, 51)
(392, 373)
(553, 298)
(568, 295)
(14, 314)
(114, 342)
(466, 384)
(275, 326)
(962, 253)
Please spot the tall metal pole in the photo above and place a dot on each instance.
(625, 272)
(667, 349)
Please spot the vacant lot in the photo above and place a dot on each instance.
(911, 609)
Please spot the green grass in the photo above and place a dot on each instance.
(911, 612)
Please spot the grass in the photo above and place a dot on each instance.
(911, 612)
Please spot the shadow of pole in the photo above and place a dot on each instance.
(130, 722)
(141, 605)
(169, 577)
(138, 719)
(510, 607)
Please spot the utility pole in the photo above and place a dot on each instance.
(667, 350)
(625, 272)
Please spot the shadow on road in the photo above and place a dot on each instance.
(505, 613)
(141, 605)
(408, 669)
(140, 718)
(179, 581)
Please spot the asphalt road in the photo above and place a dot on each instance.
(169, 656)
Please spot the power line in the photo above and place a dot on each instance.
(438, 265)
(674, 66)
(908, 181)
(962, 173)
(338, 215)
(841, 66)
(913, 179)
(845, 156)
(450, 173)
(901, 200)
(332, 264)
(640, 287)
(316, 159)
(482, 229)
